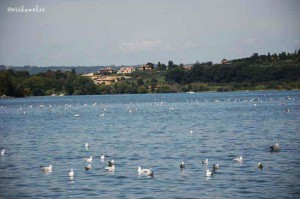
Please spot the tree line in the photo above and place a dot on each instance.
(274, 71)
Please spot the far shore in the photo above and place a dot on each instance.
(10, 97)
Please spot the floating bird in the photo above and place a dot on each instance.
(90, 159)
(46, 169)
(260, 165)
(275, 147)
(71, 173)
(87, 146)
(216, 167)
(88, 167)
(102, 157)
(182, 166)
(76, 115)
(205, 161)
(150, 173)
(2, 152)
(111, 163)
(110, 168)
(287, 110)
(141, 171)
(208, 173)
(239, 159)
(101, 115)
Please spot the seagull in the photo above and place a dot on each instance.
(88, 167)
(205, 161)
(275, 147)
(87, 146)
(110, 168)
(260, 165)
(111, 163)
(150, 173)
(71, 173)
(90, 159)
(102, 157)
(240, 159)
(208, 173)
(2, 152)
(76, 115)
(182, 166)
(141, 171)
(216, 167)
(46, 169)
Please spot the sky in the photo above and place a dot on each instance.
(131, 32)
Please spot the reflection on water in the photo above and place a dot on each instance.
(152, 131)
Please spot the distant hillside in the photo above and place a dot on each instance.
(35, 69)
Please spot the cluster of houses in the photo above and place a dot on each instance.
(106, 75)
(109, 76)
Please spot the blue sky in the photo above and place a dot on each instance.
(128, 32)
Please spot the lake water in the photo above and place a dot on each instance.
(156, 131)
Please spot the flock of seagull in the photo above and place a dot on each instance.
(274, 148)
(149, 172)
(110, 168)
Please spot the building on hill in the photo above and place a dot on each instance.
(102, 79)
(187, 67)
(125, 70)
(106, 71)
(146, 67)
(88, 75)
(225, 61)
(107, 80)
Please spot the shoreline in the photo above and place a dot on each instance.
(12, 97)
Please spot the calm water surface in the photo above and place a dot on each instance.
(153, 131)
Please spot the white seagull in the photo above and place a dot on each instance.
(87, 146)
(71, 173)
(182, 166)
(47, 169)
(111, 163)
(275, 147)
(216, 167)
(143, 171)
(239, 159)
(102, 157)
(90, 159)
(101, 115)
(208, 173)
(2, 152)
(150, 173)
(260, 165)
(88, 167)
(110, 168)
(205, 161)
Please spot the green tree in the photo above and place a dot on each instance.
(170, 64)
(142, 90)
(140, 82)
(153, 83)
(161, 67)
(175, 75)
